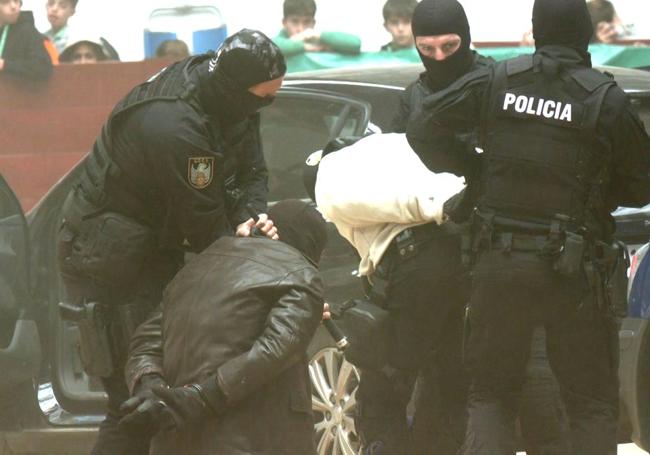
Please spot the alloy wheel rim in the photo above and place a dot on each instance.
(334, 383)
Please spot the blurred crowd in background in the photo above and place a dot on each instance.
(26, 52)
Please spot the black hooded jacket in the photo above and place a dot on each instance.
(24, 54)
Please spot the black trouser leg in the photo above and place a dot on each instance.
(583, 351)
(511, 294)
(542, 416)
(441, 402)
(422, 292)
(110, 440)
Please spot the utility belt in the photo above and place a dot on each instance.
(105, 333)
(405, 245)
(571, 251)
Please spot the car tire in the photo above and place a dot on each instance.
(334, 384)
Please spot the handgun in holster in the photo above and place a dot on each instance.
(616, 261)
(95, 346)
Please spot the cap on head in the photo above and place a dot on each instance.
(249, 58)
(441, 17)
(562, 22)
(94, 44)
(301, 226)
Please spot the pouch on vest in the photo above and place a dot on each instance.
(366, 326)
(111, 248)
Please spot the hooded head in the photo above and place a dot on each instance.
(243, 77)
(301, 226)
(438, 18)
(562, 23)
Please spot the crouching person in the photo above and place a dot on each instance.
(230, 342)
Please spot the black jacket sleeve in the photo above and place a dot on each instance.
(252, 174)
(445, 134)
(630, 174)
(25, 55)
(290, 327)
(146, 350)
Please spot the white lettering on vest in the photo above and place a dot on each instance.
(566, 113)
(538, 107)
(548, 105)
(520, 104)
(508, 101)
(531, 102)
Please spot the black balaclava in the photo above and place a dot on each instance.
(245, 59)
(301, 226)
(562, 23)
(442, 17)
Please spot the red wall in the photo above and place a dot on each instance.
(46, 128)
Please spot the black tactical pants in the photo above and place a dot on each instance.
(512, 292)
(143, 294)
(425, 300)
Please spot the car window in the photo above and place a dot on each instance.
(296, 125)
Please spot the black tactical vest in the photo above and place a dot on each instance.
(543, 157)
(171, 84)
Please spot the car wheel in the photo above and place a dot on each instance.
(334, 383)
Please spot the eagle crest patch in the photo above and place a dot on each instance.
(200, 172)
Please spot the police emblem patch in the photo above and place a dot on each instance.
(200, 171)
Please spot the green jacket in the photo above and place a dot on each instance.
(343, 43)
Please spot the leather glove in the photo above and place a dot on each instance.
(187, 406)
(143, 409)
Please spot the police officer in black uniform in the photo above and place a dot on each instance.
(562, 149)
(177, 165)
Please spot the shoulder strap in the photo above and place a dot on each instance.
(591, 79)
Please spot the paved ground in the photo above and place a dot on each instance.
(623, 449)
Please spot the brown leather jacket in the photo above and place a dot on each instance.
(245, 309)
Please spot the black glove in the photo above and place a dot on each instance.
(143, 409)
(189, 405)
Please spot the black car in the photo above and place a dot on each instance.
(50, 406)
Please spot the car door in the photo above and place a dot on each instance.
(20, 349)
(298, 123)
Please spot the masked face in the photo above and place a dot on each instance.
(444, 58)
(443, 40)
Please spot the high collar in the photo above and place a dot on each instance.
(476, 57)
(568, 57)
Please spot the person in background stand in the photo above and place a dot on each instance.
(23, 54)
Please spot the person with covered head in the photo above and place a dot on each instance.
(230, 342)
(177, 165)
(389, 206)
(562, 148)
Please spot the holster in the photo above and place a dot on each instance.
(95, 341)
(105, 332)
(616, 261)
(365, 324)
